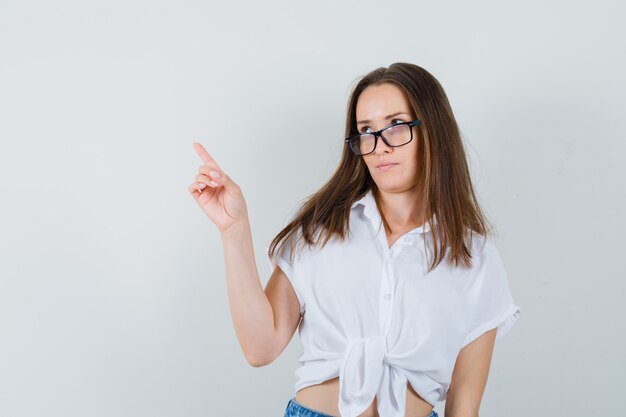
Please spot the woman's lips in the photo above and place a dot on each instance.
(386, 167)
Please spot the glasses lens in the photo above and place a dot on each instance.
(398, 135)
(363, 144)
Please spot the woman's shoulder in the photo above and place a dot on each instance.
(480, 244)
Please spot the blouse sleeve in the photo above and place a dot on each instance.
(490, 302)
(282, 258)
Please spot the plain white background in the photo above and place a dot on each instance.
(113, 294)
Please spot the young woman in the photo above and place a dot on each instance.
(398, 293)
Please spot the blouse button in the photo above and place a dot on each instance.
(407, 239)
(387, 296)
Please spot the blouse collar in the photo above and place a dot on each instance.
(371, 211)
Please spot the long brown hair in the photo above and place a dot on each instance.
(443, 171)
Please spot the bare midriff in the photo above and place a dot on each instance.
(324, 398)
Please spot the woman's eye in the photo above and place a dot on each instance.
(392, 123)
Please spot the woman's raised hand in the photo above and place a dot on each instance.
(218, 196)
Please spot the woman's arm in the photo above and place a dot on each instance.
(250, 308)
(264, 323)
(469, 377)
(265, 320)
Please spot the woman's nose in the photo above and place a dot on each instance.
(381, 146)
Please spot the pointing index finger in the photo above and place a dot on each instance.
(208, 159)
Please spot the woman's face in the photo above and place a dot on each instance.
(379, 106)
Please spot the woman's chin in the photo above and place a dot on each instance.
(391, 184)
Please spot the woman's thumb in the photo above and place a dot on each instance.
(224, 180)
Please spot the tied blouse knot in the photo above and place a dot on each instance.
(376, 319)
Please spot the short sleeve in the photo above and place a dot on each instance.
(282, 258)
(490, 301)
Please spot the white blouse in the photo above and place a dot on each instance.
(373, 317)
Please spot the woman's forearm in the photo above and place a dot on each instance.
(250, 308)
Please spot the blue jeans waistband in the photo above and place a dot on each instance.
(295, 409)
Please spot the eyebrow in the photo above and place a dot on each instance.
(388, 117)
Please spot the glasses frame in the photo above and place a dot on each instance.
(379, 133)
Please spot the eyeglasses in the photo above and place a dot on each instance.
(395, 135)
